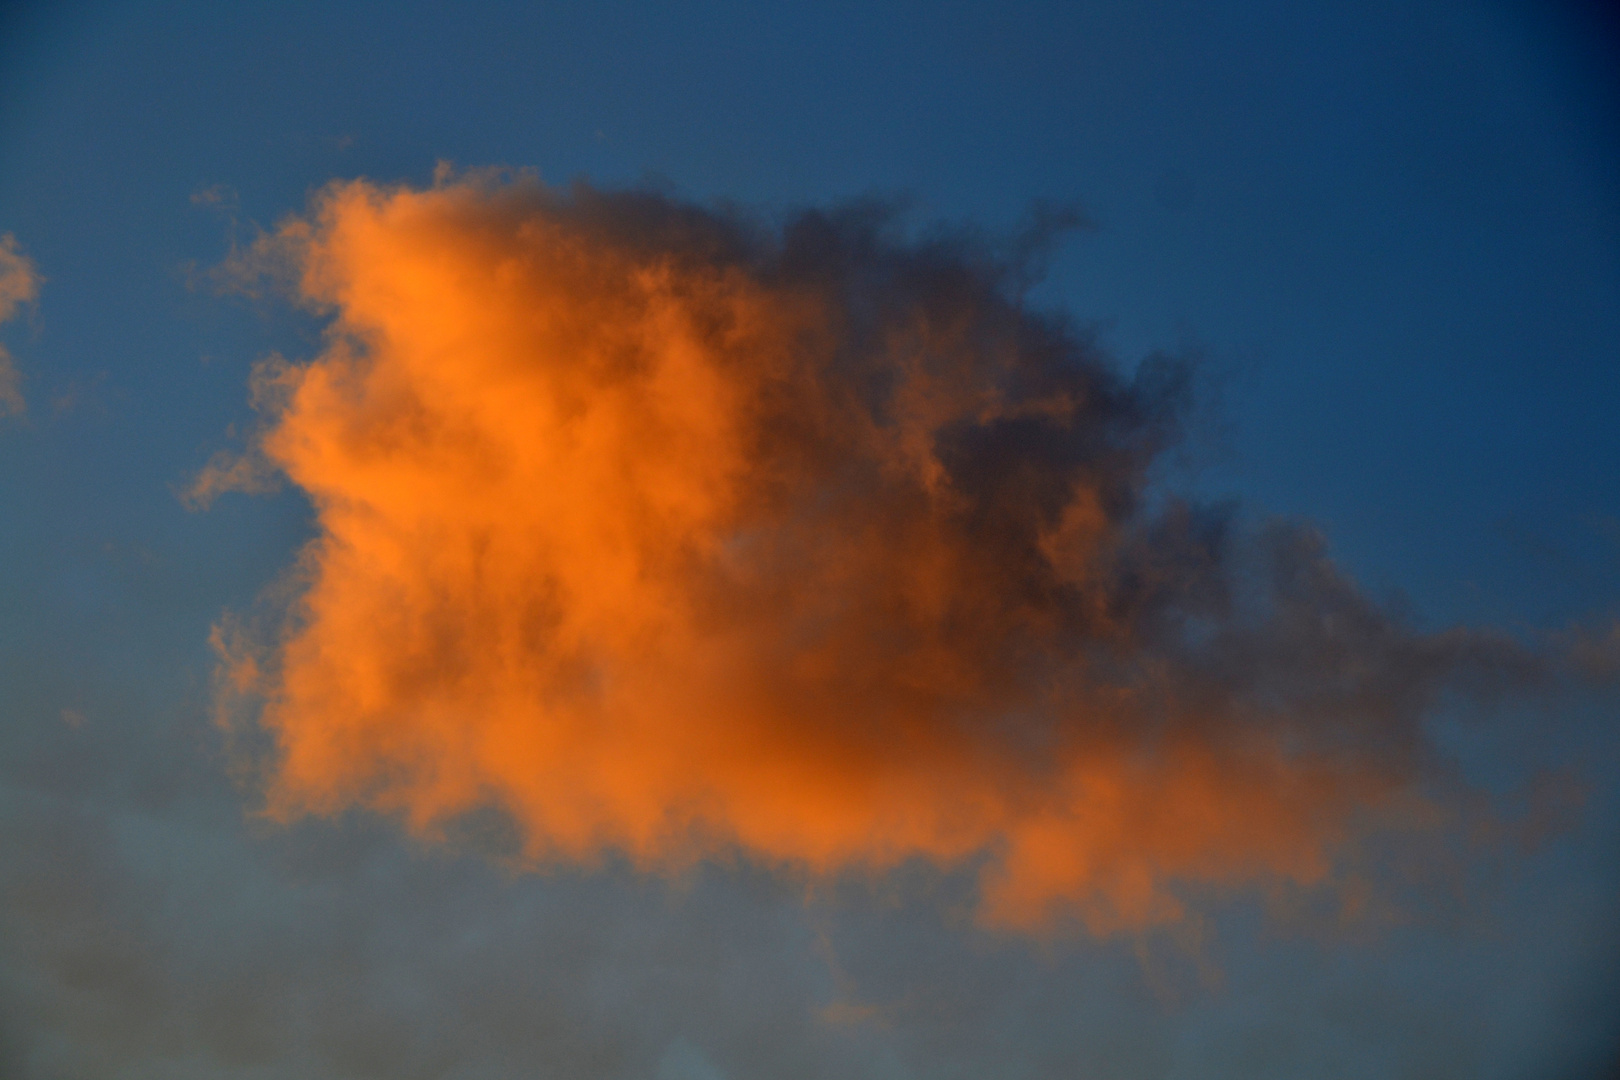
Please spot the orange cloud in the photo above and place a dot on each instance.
(19, 285)
(668, 534)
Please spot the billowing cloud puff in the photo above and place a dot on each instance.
(19, 284)
(668, 534)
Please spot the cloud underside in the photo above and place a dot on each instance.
(669, 534)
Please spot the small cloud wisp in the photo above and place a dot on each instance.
(19, 285)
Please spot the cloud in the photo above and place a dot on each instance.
(19, 280)
(668, 534)
(11, 399)
(19, 285)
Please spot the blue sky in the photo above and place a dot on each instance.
(1388, 233)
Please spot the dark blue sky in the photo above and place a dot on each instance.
(1390, 233)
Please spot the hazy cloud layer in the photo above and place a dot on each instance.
(669, 534)
(147, 930)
